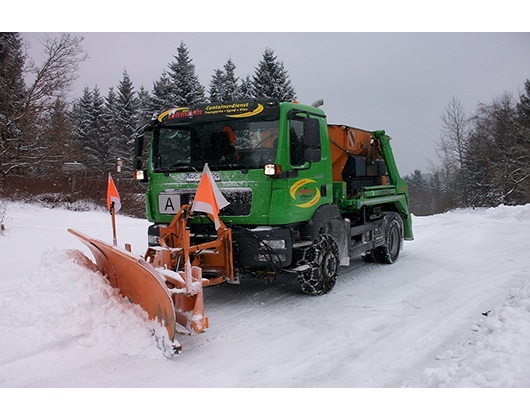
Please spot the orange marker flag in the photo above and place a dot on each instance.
(208, 197)
(113, 196)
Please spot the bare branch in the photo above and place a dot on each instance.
(56, 74)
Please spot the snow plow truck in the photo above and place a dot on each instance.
(302, 197)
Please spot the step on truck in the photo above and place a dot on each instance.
(304, 196)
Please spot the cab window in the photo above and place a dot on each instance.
(296, 142)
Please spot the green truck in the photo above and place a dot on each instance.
(305, 196)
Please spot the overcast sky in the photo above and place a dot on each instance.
(400, 82)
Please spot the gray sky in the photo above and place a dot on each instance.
(400, 82)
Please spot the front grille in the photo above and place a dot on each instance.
(240, 202)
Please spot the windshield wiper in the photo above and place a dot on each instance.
(220, 166)
(178, 168)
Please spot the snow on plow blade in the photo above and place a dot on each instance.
(164, 282)
(145, 285)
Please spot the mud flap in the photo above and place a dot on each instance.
(136, 279)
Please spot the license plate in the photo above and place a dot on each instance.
(168, 203)
(196, 176)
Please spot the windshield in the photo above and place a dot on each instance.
(223, 144)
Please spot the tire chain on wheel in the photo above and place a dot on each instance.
(311, 280)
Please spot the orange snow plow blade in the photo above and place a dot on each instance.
(135, 278)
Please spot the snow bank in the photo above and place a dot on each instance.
(498, 355)
(67, 304)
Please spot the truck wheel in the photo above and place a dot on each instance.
(323, 261)
(393, 234)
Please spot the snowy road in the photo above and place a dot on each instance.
(417, 323)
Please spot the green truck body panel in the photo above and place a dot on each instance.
(298, 199)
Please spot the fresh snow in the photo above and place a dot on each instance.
(452, 312)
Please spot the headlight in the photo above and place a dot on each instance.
(153, 239)
(275, 243)
(271, 169)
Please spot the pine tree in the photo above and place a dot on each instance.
(523, 106)
(512, 167)
(145, 106)
(12, 88)
(443, 198)
(98, 150)
(91, 120)
(110, 126)
(523, 143)
(12, 101)
(245, 89)
(178, 86)
(126, 121)
(479, 162)
(492, 157)
(162, 97)
(231, 81)
(185, 85)
(271, 80)
(224, 84)
(216, 90)
(82, 115)
(420, 194)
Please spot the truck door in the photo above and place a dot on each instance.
(308, 168)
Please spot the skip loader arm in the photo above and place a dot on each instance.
(395, 179)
